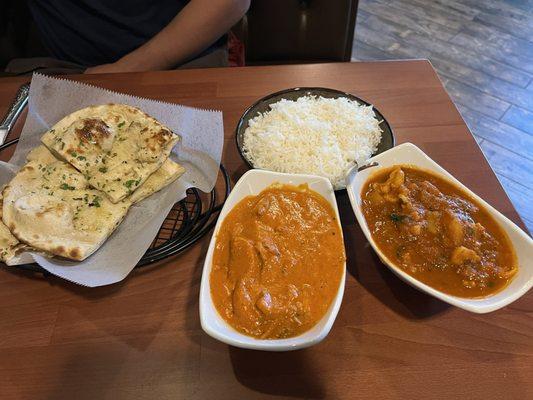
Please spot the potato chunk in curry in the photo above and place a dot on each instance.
(437, 233)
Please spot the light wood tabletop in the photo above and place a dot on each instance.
(141, 338)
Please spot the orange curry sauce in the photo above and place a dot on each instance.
(437, 233)
(278, 262)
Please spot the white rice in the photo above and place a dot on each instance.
(313, 135)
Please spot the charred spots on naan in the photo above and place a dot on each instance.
(158, 139)
(93, 130)
(162, 136)
(75, 253)
(27, 168)
(59, 250)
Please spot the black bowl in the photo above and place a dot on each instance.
(263, 105)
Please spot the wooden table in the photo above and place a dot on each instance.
(141, 338)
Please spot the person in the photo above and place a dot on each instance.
(107, 36)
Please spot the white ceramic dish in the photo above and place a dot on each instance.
(251, 183)
(410, 154)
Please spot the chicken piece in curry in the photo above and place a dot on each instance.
(278, 262)
(436, 233)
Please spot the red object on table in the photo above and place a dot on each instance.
(236, 55)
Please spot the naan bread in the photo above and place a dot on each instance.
(9, 244)
(117, 147)
(165, 175)
(42, 155)
(53, 208)
(44, 182)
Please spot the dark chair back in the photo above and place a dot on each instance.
(293, 31)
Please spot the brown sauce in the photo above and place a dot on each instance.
(437, 233)
(278, 262)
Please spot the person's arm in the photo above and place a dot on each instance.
(196, 27)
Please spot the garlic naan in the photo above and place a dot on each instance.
(115, 146)
(165, 175)
(62, 216)
(51, 207)
(9, 244)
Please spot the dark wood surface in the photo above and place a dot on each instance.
(142, 338)
(483, 52)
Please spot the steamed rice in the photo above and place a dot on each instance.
(313, 135)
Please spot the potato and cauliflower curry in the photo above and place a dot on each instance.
(436, 233)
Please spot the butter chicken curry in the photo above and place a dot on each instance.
(436, 233)
(278, 262)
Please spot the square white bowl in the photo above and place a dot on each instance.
(408, 153)
(252, 183)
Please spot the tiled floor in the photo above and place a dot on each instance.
(483, 52)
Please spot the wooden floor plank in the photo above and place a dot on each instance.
(415, 24)
(519, 195)
(460, 92)
(425, 13)
(495, 87)
(361, 51)
(524, 5)
(457, 7)
(508, 43)
(506, 24)
(471, 76)
(529, 225)
(453, 53)
(498, 132)
(509, 164)
(498, 7)
(480, 45)
(475, 99)
(362, 15)
(388, 44)
(520, 118)
(444, 12)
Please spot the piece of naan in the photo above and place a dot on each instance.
(115, 146)
(53, 208)
(165, 175)
(67, 221)
(9, 244)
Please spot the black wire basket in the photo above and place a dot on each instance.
(186, 223)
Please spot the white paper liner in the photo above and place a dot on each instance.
(199, 151)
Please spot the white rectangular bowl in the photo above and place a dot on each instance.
(408, 153)
(252, 183)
